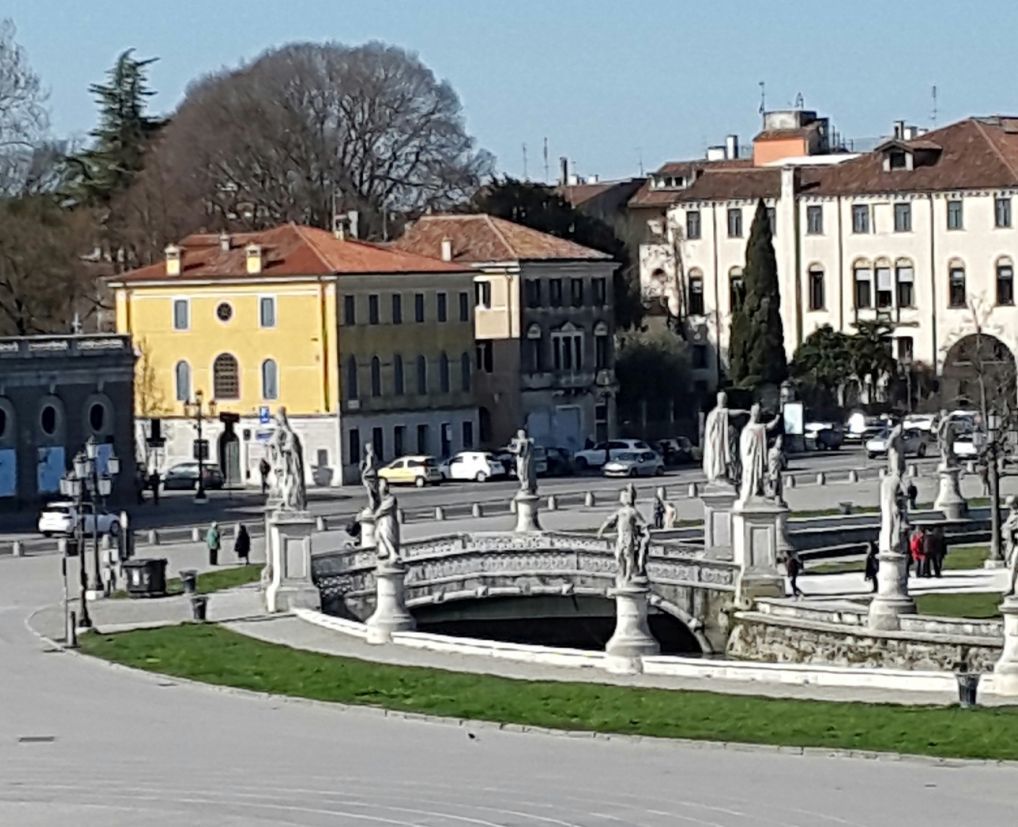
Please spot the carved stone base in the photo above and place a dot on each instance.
(632, 638)
(1005, 672)
(892, 599)
(288, 552)
(390, 613)
(527, 508)
(717, 520)
(950, 501)
(367, 523)
(756, 526)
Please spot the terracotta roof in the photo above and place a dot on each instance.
(482, 237)
(648, 196)
(287, 250)
(577, 194)
(791, 132)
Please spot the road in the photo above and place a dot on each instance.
(84, 743)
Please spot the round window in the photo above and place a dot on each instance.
(225, 312)
(97, 416)
(48, 420)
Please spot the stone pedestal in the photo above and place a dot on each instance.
(784, 541)
(527, 508)
(949, 500)
(756, 527)
(632, 638)
(717, 520)
(892, 599)
(367, 523)
(1005, 672)
(288, 552)
(390, 613)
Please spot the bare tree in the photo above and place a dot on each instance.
(23, 117)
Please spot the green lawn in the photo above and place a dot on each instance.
(958, 557)
(214, 580)
(215, 655)
(974, 605)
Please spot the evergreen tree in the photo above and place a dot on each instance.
(757, 343)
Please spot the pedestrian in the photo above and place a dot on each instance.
(153, 481)
(139, 486)
(213, 541)
(936, 551)
(263, 469)
(242, 545)
(984, 477)
(872, 565)
(793, 565)
(659, 512)
(913, 494)
(917, 552)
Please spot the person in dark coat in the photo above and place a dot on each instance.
(263, 469)
(936, 550)
(242, 545)
(659, 513)
(872, 565)
(913, 494)
(793, 565)
(213, 540)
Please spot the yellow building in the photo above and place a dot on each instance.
(358, 342)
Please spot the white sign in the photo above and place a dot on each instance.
(793, 416)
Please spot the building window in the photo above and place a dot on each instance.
(904, 277)
(270, 379)
(905, 349)
(349, 310)
(418, 307)
(600, 286)
(772, 219)
(695, 294)
(422, 375)
(267, 311)
(485, 361)
(903, 218)
(736, 290)
(373, 315)
(464, 307)
(532, 288)
(423, 442)
(814, 220)
(443, 373)
(576, 289)
(535, 349)
(226, 377)
(182, 377)
(885, 288)
(735, 222)
(956, 286)
(352, 391)
(224, 311)
(955, 216)
(816, 288)
(376, 376)
(1005, 284)
(181, 314)
(693, 224)
(863, 288)
(555, 292)
(896, 159)
(468, 434)
(699, 357)
(397, 308)
(441, 306)
(466, 372)
(398, 438)
(355, 447)
(567, 350)
(601, 349)
(482, 294)
(378, 442)
(1002, 212)
(860, 218)
(397, 375)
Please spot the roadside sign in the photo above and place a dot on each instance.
(264, 435)
(263, 415)
(201, 449)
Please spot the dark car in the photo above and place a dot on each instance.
(823, 436)
(560, 462)
(184, 476)
(676, 451)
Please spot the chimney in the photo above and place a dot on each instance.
(352, 220)
(253, 256)
(731, 146)
(446, 249)
(339, 227)
(899, 129)
(172, 260)
(563, 164)
(224, 241)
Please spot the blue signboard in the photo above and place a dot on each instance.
(263, 415)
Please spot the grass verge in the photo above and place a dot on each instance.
(213, 581)
(215, 655)
(971, 605)
(958, 558)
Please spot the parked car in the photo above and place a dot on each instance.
(508, 460)
(412, 470)
(184, 475)
(823, 436)
(914, 443)
(966, 445)
(922, 422)
(472, 465)
(63, 518)
(677, 451)
(596, 457)
(560, 462)
(859, 427)
(634, 464)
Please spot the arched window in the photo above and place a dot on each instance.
(270, 379)
(182, 380)
(443, 373)
(422, 375)
(397, 375)
(376, 376)
(226, 377)
(862, 272)
(956, 283)
(904, 282)
(601, 348)
(352, 391)
(885, 283)
(1005, 281)
(816, 287)
(695, 293)
(736, 289)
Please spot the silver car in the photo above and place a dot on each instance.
(914, 443)
(635, 464)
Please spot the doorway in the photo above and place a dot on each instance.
(229, 457)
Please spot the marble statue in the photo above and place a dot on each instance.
(893, 519)
(632, 536)
(945, 436)
(775, 470)
(896, 451)
(287, 461)
(369, 476)
(522, 447)
(387, 539)
(720, 454)
(671, 517)
(1009, 534)
(753, 454)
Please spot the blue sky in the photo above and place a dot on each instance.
(604, 81)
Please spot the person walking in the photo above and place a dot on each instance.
(793, 565)
(936, 551)
(872, 565)
(263, 469)
(214, 541)
(153, 481)
(659, 512)
(917, 552)
(242, 545)
(913, 494)
(139, 486)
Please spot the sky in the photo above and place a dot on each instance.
(610, 84)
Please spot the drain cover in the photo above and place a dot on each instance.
(37, 739)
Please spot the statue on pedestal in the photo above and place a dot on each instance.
(720, 443)
(775, 469)
(893, 519)
(522, 447)
(387, 538)
(369, 477)
(896, 451)
(945, 436)
(632, 539)
(753, 454)
(287, 461)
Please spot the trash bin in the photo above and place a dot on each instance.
(189, 580)
(146, 577)
(199, 605)
(968, 684)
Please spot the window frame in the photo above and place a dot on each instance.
(177, 384)
(733, 222)
(695, 288)
(376, 377)
(464, 303)
(263, 302)
(999, 267)
(959, 213)
(266, 363)
(814, 228)
(998, 202)
(862, 223)
(181, 301)
(216, 395)
(374, 309)
(816, 287)
(953, 285)
(396, 308)
(420, 314)
(693, 223)
(349, 309)
(441, 306)
(902, 217)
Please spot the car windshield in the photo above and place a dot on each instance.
(628, 456)
(430, 463)
(58, 509)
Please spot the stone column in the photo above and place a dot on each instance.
(950, 501)
(892, 598)
(390, 613)
(367, 523)
(756, 528)
(632, 638)
(271, 504)
(527, 508)
(288, 551)
(1005, 672)
(717, 520)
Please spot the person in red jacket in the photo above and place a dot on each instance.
(917, 550)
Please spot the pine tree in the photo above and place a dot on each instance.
(756, 351)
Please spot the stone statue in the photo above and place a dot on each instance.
(753, 454)
(671, 517)
(630, 545)
(896, 451)
(893, 519)
(775, 470)
(720, 455)
(387, 539)
(287, 461)
(369, 476)
(945, 436)
(523, 449)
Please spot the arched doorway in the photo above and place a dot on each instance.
(980, 368)
(229, 457)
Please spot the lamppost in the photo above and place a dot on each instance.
(84, 478)
(199, 413)
(72, 485)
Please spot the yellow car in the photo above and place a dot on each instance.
(413, 470)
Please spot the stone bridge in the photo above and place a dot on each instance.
(470, 566)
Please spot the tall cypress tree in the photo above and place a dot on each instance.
(756, 351)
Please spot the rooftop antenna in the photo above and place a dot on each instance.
(546, 160)
(639, 157)
(800, 103)
(933, 95)
(763, 97)
(525, 178)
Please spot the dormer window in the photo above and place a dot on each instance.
(897, 159)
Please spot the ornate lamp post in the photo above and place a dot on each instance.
(199, 413)
(84, 477)
(72, 485)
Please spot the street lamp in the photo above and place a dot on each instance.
(199, 413)
(72, 485)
